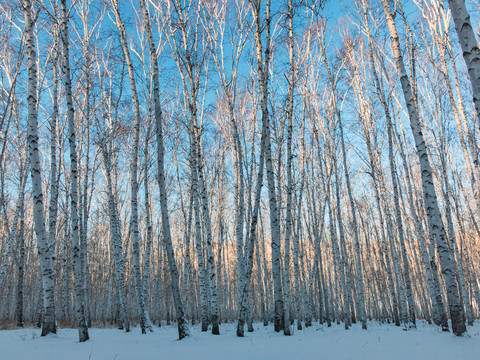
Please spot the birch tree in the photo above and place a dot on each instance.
(469, 44)
(167, 237)
(144, 324)
(45, 249)
(435, 223)
(263, 64)
(77, 265)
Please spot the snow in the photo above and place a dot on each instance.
(380, 341)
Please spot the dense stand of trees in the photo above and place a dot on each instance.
(239, 161)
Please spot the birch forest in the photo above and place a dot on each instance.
(199, 163)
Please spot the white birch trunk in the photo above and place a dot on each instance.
(76, 246)
(133, 178)
(45, 250)
(148, 224)
(202, 270)
(361, 296)
(431, 204)
(181, 322)
(19, 313)
(263, 80)
(208, 240)
(116, 243)
(339, 265)
(469, 43)
(243, 305)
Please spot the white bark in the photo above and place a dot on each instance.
(116, 243)
(208, 241)
(76, 246)
(45, 250)
(431, 204)
(251, 240)
(361, 296)
(469, 43)
(181, 322)
(134, 175)
(263, 65)
(19, 312)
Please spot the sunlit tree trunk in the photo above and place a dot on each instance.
(133, 178)
(359, 265)
(19, 311)
(469, 43)
(181, 322)
(45, 250)
(263, 64)
(76, 246)
(431, 204)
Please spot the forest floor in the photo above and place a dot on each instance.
(380, 341)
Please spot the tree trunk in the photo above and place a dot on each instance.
(21, 250)
(45, 250)
(469, 43)
(76, 246)
(133, 178)
(263, 80)
(431, 204)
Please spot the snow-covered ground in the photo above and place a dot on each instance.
(316, 342)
